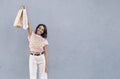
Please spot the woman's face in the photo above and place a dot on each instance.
(40, 30)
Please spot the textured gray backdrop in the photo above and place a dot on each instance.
(83, 35)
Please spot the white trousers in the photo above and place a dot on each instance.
(37, 63)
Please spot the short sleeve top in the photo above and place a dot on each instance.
(37, 42)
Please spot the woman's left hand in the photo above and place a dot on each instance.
(46, 69)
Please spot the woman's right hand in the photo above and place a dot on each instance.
(23, 6)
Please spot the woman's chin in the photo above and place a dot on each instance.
(39, 33)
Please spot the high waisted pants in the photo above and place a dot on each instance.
(35, 63)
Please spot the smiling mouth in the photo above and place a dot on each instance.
(40, 32)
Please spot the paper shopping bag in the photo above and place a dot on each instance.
(19, 19)
(25, 19)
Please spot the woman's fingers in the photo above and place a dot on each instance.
(23, 6)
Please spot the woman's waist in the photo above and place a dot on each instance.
(36, 52)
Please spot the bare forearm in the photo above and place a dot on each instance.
(29, 28)
(46, 58)
(46, 55)
(46, 64)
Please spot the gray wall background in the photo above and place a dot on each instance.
(83, 35)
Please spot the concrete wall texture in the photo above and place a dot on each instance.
(83, 35)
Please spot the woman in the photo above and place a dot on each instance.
(38, 51)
